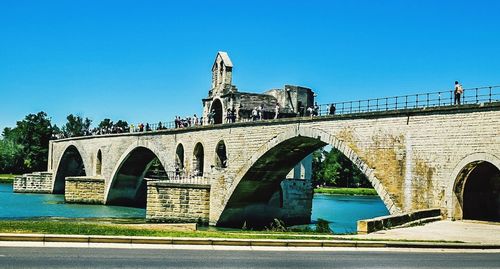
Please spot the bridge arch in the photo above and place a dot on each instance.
(179, 157)
(127, 185)
(270, 164)
(475, 193)
(98, 163)
(71, 163)
(198, 159)
(221, 155)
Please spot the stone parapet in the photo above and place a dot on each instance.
(37, 182)
(177, 202)
(84, 190)
(399, 220)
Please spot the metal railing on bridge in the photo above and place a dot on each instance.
(180, 177)
(431, 99)
(477, 95)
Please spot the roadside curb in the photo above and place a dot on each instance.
(238, 242)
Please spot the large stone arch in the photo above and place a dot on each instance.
(300, 142)
(71, 162)
(458, 178)
(126, 183)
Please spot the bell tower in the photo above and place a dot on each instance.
(222, 75)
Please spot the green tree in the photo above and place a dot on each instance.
(335, 169)
(76, 126)
(25, 147)
(105, 124)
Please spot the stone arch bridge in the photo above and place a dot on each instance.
(445, 157)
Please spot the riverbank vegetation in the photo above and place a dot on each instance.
(346, 191)
(86, 228)
(7, 178)
(332, 169)
(25, 148)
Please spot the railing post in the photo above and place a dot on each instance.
(451, 98)
(368, 105)
(386, 104)
(350, 109)
(439, 98)
(477, 100)
(343, 107)
(416, 101)
(427, 100)
(490, 95)
(377, 104)
(406, 101)
(359, 106)
(396, 106)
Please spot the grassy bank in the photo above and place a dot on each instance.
(6, 178)
(80, 228)
(346, 191)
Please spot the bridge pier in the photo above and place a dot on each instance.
(37, 182)
(84, 190)
(177, 202)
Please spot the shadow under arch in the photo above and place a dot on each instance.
(198, 159)
(476, 189)
(221, 155)
(128, 187)
(217, 108)
(260, 177)
(70, 164)
(179, 157)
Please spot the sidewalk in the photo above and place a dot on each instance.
(445, 230)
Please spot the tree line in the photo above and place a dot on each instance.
(333, 168)
(24, 148)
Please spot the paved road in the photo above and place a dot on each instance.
(50, 257)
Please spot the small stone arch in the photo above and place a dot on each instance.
(301, 141)
(218, 108)
(198, 160)
(464, 177)
(179, 158)
(98, 164)
(70, 163)
(152, 153)
(221, 155)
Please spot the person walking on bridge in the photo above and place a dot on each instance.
(277, 111)
(458, 92)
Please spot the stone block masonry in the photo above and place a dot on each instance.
(174, 202)
(38, 182)
(85, 190)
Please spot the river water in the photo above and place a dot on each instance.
(342, 211)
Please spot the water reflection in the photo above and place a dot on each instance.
(21, 205)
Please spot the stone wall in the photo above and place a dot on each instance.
(174, 202)
(84, 190)
(38, 182)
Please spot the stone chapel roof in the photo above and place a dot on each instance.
(225, 58)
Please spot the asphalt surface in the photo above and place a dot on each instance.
(53, 257)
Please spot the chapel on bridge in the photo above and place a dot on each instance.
(225, 99)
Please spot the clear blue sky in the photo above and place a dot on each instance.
(151, 60)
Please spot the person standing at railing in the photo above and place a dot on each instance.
(332, 109)
(458, 92)
(195, 120)
(316, 110)
(277, 111)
